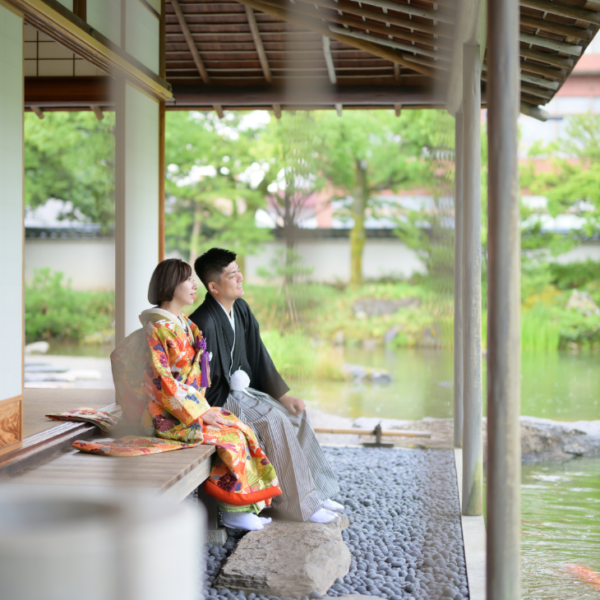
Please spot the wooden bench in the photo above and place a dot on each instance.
(48, 459)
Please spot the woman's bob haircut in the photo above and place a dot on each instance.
(166, 277)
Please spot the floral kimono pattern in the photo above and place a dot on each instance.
(174, 384)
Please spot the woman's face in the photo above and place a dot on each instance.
(185, 292)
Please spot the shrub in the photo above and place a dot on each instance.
(296, 356)
(576, 274)
(53, 310)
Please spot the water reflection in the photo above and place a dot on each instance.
(556, 386)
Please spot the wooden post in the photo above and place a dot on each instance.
(504, 251)
(458, 281)
(471, 181)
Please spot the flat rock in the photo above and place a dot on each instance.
(288, 559)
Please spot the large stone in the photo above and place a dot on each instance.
(288, 559)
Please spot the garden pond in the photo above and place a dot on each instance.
(560, 501)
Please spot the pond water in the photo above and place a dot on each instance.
(560, 508)
(560, 501)
(560, 386)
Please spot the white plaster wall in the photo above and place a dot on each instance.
(143, 34)
(587, 250)
(141, 203)
(88, 263)
(105, 16)
(330, 259)
(11, 202)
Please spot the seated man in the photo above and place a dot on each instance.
(279, 420)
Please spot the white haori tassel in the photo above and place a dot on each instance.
(239, 381)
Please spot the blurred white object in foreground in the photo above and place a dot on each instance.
(68, 543)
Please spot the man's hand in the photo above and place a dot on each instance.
(213, 418)
(293, 404)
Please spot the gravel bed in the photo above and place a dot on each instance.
(405, 534)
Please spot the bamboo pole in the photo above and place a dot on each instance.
(384, 432)
(471, 181)
(504, 252)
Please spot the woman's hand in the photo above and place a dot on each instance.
(213, 418)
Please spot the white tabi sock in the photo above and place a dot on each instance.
(323, 516)
(265, 520)
(333, 505)
(242, 520)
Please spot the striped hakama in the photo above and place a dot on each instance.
(305, 476)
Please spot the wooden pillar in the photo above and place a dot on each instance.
(458, 282)
(503, 358)
(161, 182)
(136, 204)
(471, 181)
(11, 228)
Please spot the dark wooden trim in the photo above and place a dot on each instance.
(68, 91)
(80, 9)
(42, 446)
(190, 96)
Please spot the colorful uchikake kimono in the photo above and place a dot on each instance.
(173, 387)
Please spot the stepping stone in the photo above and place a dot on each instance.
(288, 559)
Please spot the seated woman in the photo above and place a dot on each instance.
(242, 479)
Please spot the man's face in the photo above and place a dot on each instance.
(231, 285)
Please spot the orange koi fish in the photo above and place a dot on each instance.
(585, 574)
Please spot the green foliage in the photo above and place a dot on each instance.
(572, 184)
(70, 156)
(53, 310)
(211, 201)
(574, 275)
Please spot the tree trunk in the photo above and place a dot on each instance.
(357, 235)
(288, 228)
(195, 237)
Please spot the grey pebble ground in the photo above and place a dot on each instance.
(405, 533)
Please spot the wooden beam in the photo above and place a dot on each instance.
(558, 74)
(80, 9)
(219, 110)
(550, 26)
(338, 109)
(190, 41)
(38, 111)
(98, 112)
(260, 96)
(260, 49)
(561, 10)
(534, 111)
(391, 44)
(470, 28)
(329, 60)
(334, 17)
(376, 16)
(397, 109)
(277, 111)
(543, 42)
(53, 19)
(319, 27)
(550, 59)
(68, 91)
(412, 10)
